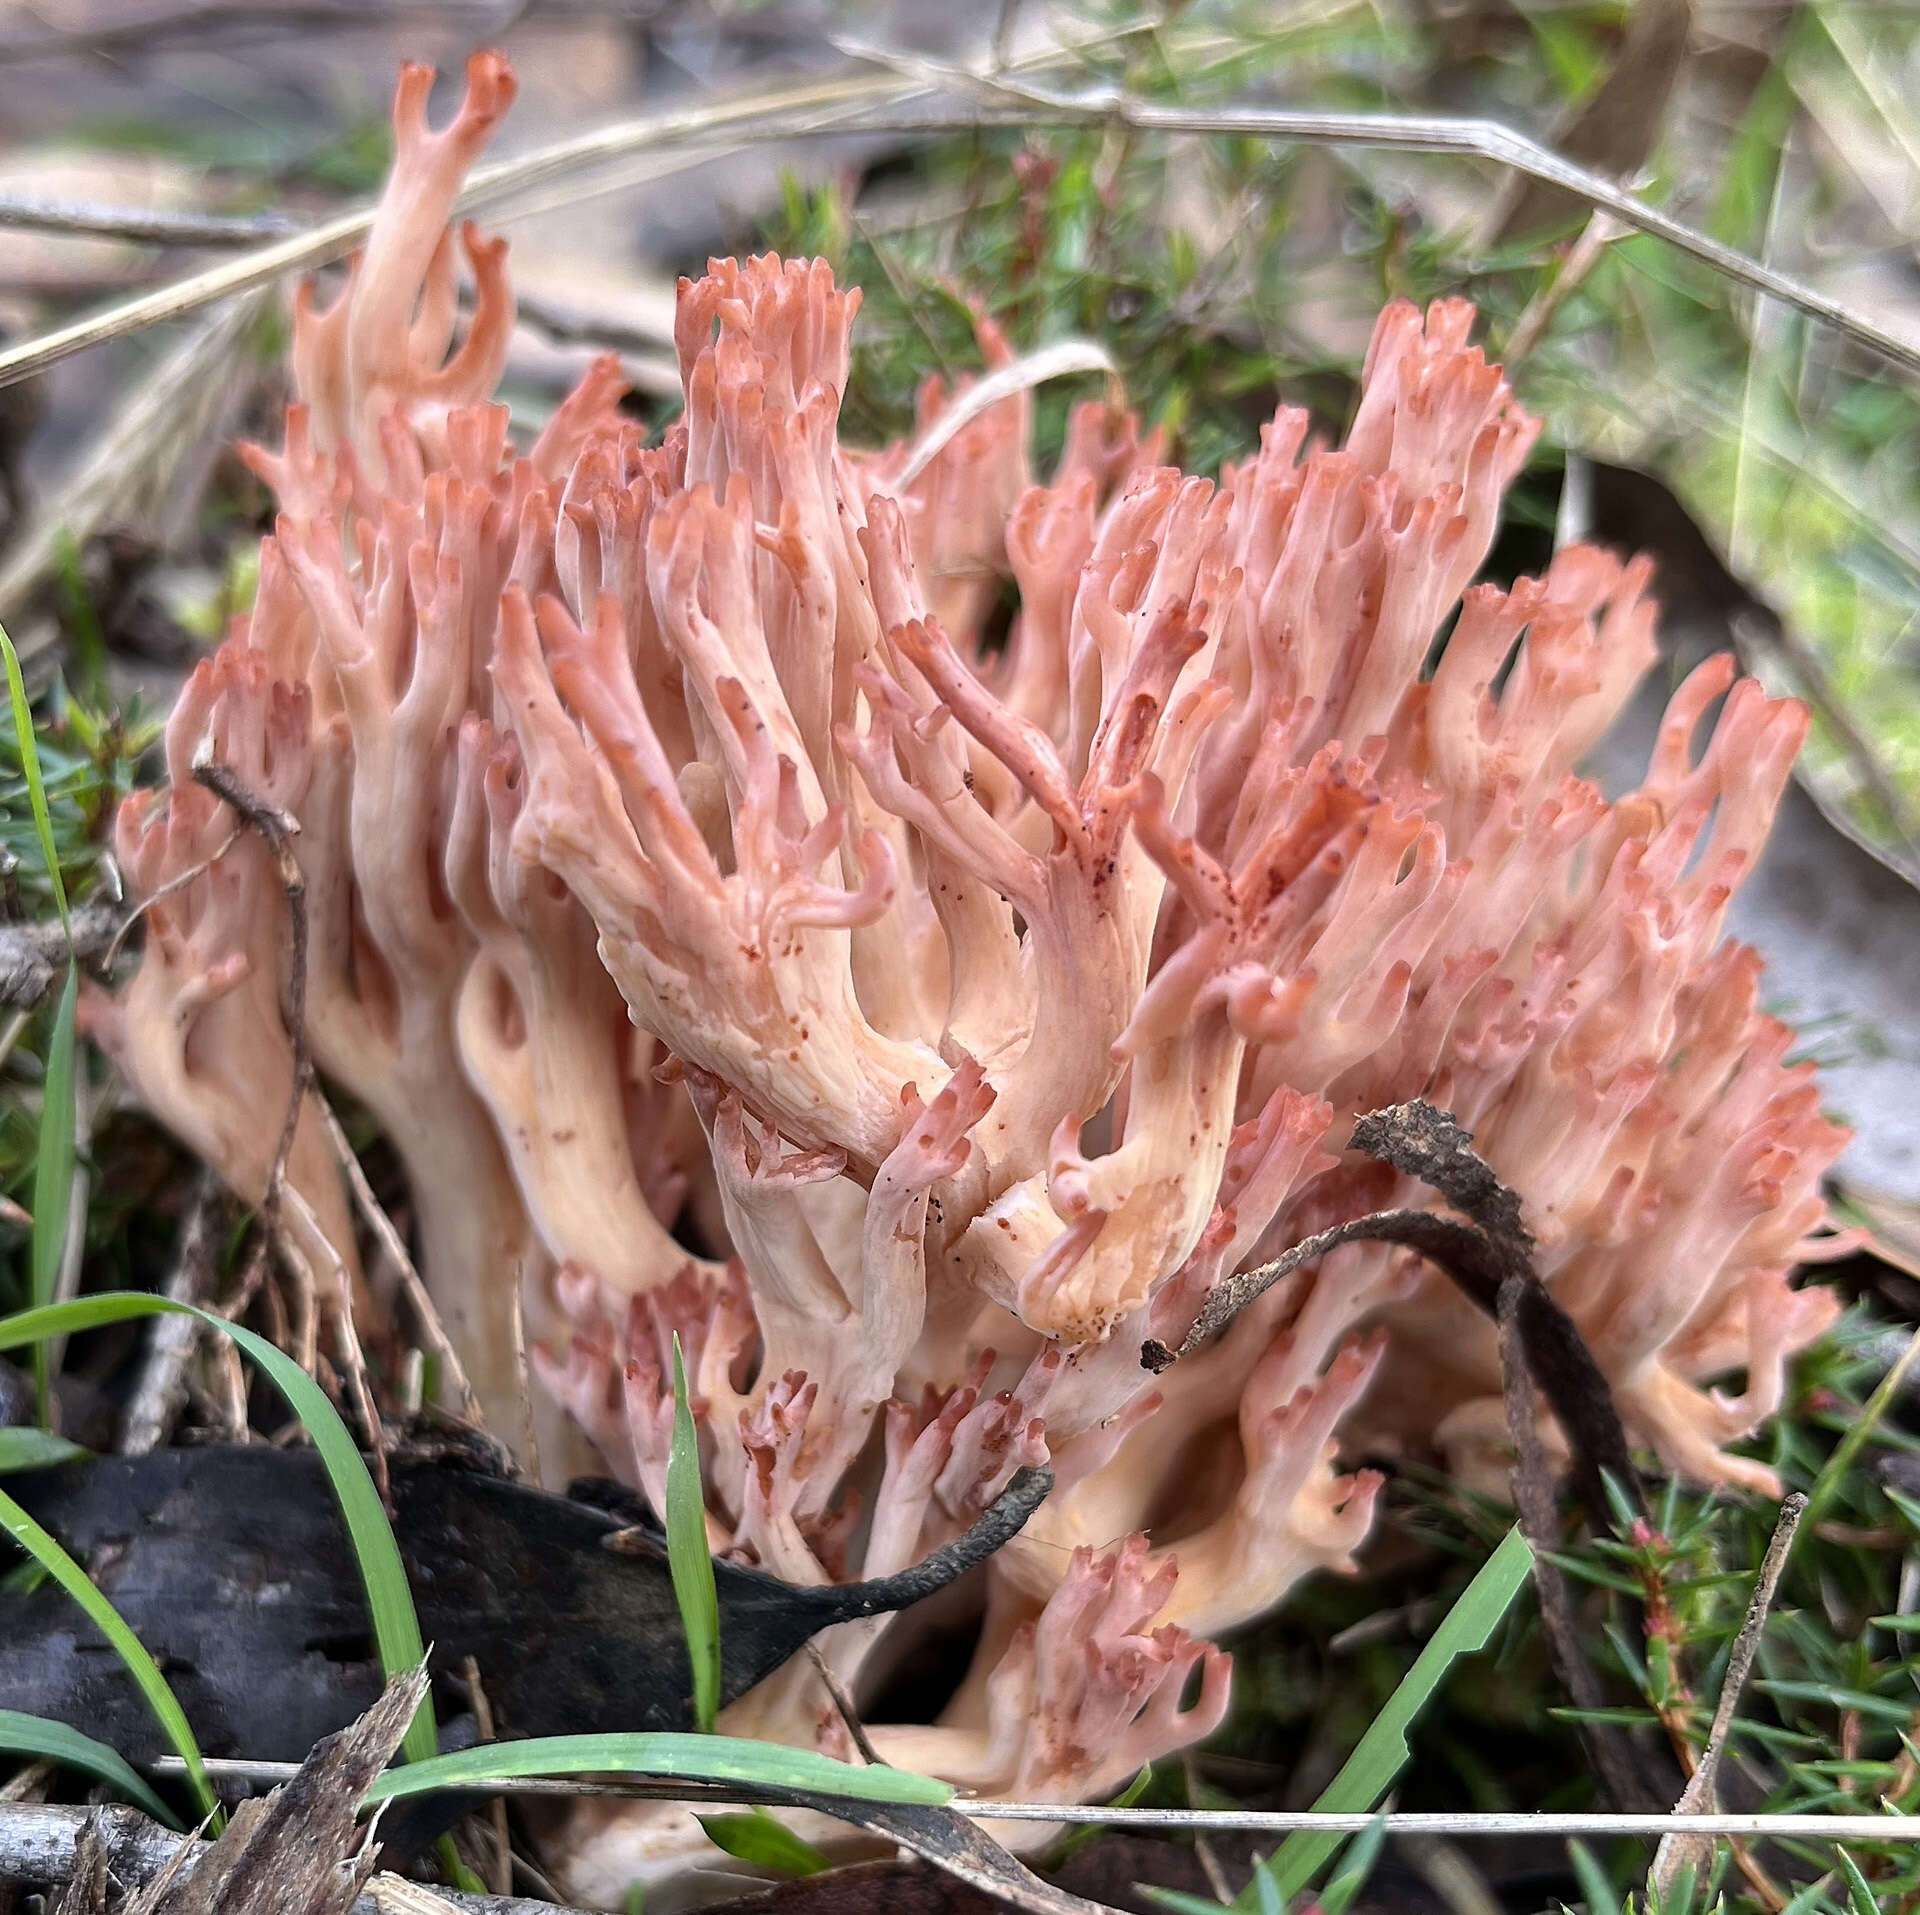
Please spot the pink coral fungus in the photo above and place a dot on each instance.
(680, 845)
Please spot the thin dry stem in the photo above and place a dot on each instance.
(161, 1389)
(497, 1809)
(1702, 1791)
(881, 102)
(1534, 1504)
(178, 882)
(386, 1234)
(524, 1376)
(844, 1707)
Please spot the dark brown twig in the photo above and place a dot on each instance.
(1536, 1506)
(497, 1808)
(279, 829)
(1481, 1254)
(844, 1707)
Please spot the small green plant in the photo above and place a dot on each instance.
(688, 1557)
(43, 1741)
(764, 1841)
(1369, 1772)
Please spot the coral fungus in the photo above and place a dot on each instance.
(688, 863)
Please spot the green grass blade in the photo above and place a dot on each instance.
(22, 1448)
(140, 1666)
(1382, 1752)
(1338, 1894)
(671, 1755)
(86, 642)
(1180, 1902)
(45, 1741)
(1594, 1886)
(688, 1557)
(764, 1841)
(1860, 1896)
(30, 770)
(53, 1175)
(396, 1628)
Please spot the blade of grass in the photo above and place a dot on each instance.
(30, 770)
(1352, 1876)
(1594, 1886)
(765, 1841)
(1382, 1752)
(396, 1628)
(47, 1552)
(688, 1557)
(34, 1449)
(53, 1177)
(53, 1163)
(669, 1754)
(46, 1741)
(1860, 1896)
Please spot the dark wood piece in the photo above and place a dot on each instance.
(233, 1567)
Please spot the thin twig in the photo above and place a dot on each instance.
(1702, 1793)
(1057, 361)
(161, 1388)
(1602, 1824)
(1417, 133)
(278, 829)
(523, 1376)
(1534, 1504)
(497, 1810)
(881, 103)
(782, 112)
(373, 1215)
(844, 1706)
(1596, 236)
(347, 1351)
(29, 213)
(175, 884)
(1480, 1255)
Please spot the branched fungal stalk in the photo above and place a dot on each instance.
(686, 865)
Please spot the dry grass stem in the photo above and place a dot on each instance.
(497, 1808)
(177, 883)
(393, 1245)
(1063, 357)
(1701, 1795)
(82, 217)
(160, 1391)
(844, 1707)
(131, 474)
